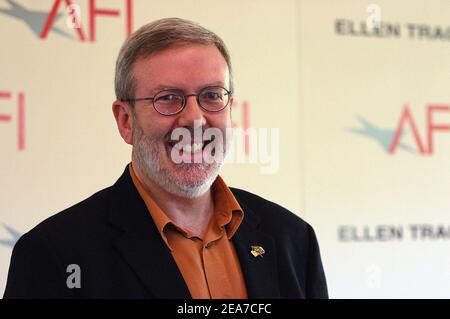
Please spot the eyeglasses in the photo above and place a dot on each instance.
(171, 102)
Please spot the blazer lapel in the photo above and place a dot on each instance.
(260, 272)
(141, 245)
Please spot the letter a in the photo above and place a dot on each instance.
(74, 279)
(406, 116)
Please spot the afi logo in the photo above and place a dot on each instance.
(18, 113)
(390, 139)
(406, 118)
(13, 236)
(42, 22)
(245, 122)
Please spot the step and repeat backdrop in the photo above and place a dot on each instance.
(346, 106)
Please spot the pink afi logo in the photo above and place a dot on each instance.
(407, 119)
(436, 121)
(16, 112)
(93, 11)
(43, 22)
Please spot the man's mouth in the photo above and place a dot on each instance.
(189, 148)
(190, 145)
(186, 149)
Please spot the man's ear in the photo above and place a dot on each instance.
(124, 118)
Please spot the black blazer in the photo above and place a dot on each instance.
(112, 238)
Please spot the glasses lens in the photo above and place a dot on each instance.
(214, 98)
(168, 102)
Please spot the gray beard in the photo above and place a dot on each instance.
(193, 180)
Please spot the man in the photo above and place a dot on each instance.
(170, 227)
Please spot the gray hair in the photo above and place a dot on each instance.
(158, 36)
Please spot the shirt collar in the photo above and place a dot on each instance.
(227, 211)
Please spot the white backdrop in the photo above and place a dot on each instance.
(335, 89)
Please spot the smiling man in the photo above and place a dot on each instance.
(170, 227)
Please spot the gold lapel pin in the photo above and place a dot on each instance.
(257, 251)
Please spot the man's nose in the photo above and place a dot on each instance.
(191, 113)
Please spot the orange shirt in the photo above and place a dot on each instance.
(210, 266)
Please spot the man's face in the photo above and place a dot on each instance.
(189, 69)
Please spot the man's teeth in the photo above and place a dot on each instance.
(188, 148)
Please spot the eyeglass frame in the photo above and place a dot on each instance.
(184, 101)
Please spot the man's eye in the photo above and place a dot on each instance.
(212, 96)
(168, 98)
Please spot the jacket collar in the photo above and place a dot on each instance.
(260, 272)
(141, 245)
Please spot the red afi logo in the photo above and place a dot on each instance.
(20, 117)
(93, 12)
(406, 117)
